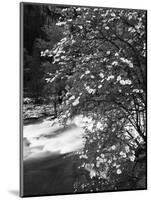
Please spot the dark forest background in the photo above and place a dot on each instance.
(40, 33)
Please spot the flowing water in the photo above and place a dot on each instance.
(48, 152)
(46, 138)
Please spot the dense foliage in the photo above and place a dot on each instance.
(101, 61)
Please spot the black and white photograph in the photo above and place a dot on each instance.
(83, 78)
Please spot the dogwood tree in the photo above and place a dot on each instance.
(102, 58)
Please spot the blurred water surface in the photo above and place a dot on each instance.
(47, 138)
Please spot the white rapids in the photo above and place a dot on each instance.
(44, 139)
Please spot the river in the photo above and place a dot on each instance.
(49, 167)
